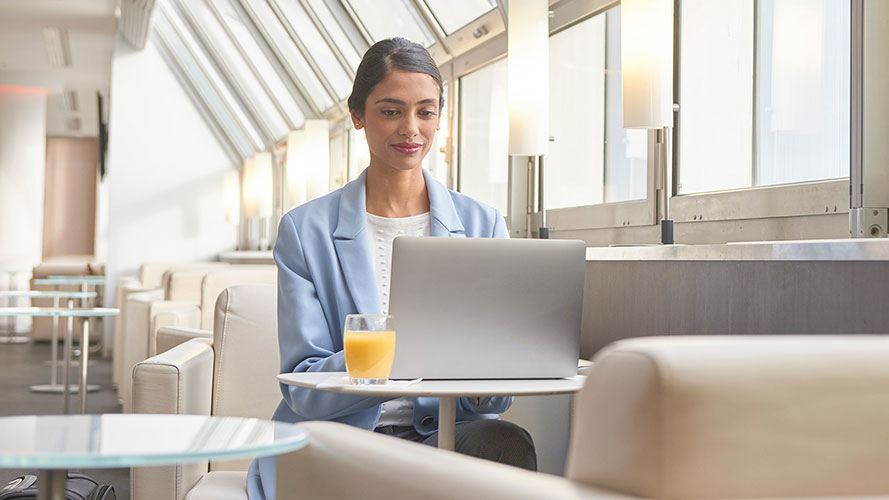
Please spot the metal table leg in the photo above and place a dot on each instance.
(447, 422)
(67, 370)
(51, 484)
(84, 361)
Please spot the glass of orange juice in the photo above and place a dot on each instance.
(369, 342)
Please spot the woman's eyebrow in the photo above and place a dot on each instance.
(398, 101)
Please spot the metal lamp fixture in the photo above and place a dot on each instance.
(257, 195)
(646, 51)
(527, 40)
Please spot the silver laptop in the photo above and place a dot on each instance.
(468, 308)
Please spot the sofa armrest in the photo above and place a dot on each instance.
(341, 461)
(170, 336)
(168, 313)
(179, 381)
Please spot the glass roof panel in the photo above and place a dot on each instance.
(237, 67)
(454, 14)
(215, 86)
(293, 58)
(336, 32)
(317, 47)
(234, 20)
(390, 18)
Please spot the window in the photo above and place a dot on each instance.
(454, 14)
(318, 49)
(390, 18)
(234, 63)
(260, 62)
(211, 85)
(436, 160)
(592, 158)
(764, 93)
(291, 55)
(484, 134)
(336, 32)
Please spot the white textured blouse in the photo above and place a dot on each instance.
(381, 231)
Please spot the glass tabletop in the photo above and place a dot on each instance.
(84, 277)
(70, 280)
(47, 294)
(58, 311)
(134, 440)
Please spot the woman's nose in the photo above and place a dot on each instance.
(409, 127)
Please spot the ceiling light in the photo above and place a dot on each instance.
(58, 49)
(69, 98)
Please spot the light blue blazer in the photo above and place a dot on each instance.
(325, 272)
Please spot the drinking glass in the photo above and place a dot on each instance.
(369, 342)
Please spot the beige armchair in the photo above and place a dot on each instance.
(659, 418)
(234, 375)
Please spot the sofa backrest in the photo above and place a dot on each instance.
(736, 417)
(217, 280)
(245, 341)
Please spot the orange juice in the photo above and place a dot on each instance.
(369, 355)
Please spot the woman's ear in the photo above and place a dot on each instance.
(357, 120)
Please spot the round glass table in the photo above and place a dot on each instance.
(61, 312)
(55, 443)
(70, 280)
(42, 294)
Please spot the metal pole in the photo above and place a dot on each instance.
(51, 484)
(84, 361)
(54, 356)
(66, 373)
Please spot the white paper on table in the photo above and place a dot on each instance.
(342, 380)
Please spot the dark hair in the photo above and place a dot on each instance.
(387, 55)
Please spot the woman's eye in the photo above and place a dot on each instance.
(427, 114)
(389, 112)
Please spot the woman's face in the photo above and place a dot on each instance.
(400, 118)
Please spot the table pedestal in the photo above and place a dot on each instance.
(447, 422)
(51, 484)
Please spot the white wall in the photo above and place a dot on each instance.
(165, 171)
(22, 166)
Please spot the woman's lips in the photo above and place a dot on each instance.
(407, 148)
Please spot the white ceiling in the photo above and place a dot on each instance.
(91, 28)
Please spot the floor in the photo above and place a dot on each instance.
(22, 365)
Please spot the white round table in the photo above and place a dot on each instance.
(55, 443)
(446, 390)
(61, 312)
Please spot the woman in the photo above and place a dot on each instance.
(333, 257)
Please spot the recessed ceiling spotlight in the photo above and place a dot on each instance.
(58, 48)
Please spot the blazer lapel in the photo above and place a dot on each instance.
(352, 249)
(444, 219)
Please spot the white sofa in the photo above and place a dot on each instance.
(660, 418)
(194, 316)
(232, 375)
(140, 304)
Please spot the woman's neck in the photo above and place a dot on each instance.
(396, 193)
